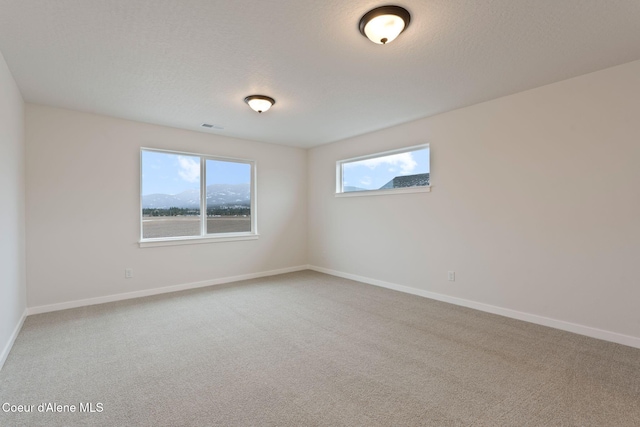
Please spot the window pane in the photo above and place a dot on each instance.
(409, 169)
(170, 195)
(228, 197)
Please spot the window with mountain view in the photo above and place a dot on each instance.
(190, 196)
(403, 170)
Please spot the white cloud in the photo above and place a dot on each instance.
(404, 161)
(189, 169)
(366, 180)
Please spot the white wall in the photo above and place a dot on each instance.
(535, 204)
(12, 223)
(83, 200)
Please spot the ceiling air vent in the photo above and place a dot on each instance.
(210, 126)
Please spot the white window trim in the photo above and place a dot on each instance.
(339, 175)
(195, 240)
(406, 190)
(203, 238)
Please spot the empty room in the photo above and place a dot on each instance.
(319, 213)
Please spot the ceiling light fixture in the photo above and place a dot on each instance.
(383, 24)
(259, 103)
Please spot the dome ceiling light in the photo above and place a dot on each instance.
(383, 24)
(259, 103)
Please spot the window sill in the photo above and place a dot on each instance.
(196, 240)
(426, 189)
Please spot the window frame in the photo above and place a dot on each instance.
(340, 174)
(203, 237)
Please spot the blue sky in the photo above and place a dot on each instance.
(166, 173)
(371, 174)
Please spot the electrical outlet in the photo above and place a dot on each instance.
(452, 276)
(128, 273)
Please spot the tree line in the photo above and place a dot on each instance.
(215, 211)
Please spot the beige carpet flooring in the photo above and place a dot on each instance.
(307, 349)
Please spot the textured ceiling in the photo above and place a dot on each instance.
(183, 63)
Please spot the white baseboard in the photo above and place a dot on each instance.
(12, 339)
(157, 291)
(527, 317)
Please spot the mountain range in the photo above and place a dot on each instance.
(217, 195)
(401, 181)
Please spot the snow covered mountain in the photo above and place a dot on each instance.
(217, 195)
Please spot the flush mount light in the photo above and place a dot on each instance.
(259, 103)
(383, 24)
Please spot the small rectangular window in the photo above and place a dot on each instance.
(186, 196)
(405, 170)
